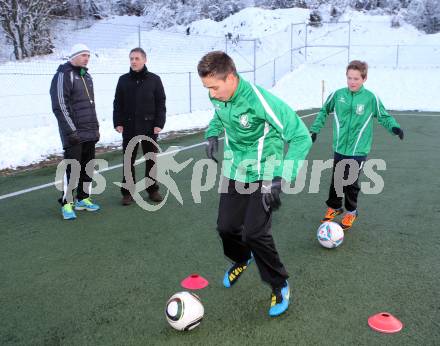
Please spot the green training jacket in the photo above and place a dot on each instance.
(256, 125)
(353, 120)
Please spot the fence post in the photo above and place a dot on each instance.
(291, 47)
(397, 56)
(190, 96)
(255, 60)
(139, 36)
(274, 72)
(305, 44)
(349, 40)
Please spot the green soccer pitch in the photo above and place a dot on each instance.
(104, 278)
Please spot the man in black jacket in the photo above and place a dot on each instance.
(73, 104)
(139, 109)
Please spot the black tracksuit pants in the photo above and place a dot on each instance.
(82, 153)
(245, 228)
(150, 171)
(350, 192)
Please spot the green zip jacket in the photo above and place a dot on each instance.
(353, 120)
(256, 125)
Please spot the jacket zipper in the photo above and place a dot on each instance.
(229, 115)
(349, 122)
(87, 90)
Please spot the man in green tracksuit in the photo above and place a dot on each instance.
(256, 125)
(354, 108)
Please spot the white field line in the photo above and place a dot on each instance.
(39, 187)
(415, 114)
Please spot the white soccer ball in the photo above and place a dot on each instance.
(184, 311)
(330, 234)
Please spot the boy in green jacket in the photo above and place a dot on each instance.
(354, 108)
(256, 125)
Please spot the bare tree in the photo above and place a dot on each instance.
(26, 24)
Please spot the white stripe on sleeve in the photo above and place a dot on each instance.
(267, 107)
(60, 91)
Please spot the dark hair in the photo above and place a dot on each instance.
(216, 64)
(360, 66)
(139, 50)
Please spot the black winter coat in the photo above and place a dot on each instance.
(139, 103)
(73, 103)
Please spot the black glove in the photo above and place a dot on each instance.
(313, 135)
(398, 132)
(212, 148)
(271, 195)
(73, 138)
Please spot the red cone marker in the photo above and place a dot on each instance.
(194, 282)
(384, 322)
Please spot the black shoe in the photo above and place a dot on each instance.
(127, 200)
(155, 196)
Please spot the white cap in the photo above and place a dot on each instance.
(78, 49)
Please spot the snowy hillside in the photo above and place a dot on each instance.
(25, 103)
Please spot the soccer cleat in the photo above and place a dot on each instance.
(279, 300)
(348, 220)
(233, 273)
(68, 212)
(331, 214)
(86, 204)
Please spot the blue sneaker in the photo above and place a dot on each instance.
(86, 204)
(279, 300)
(68, 212)
(233, 273)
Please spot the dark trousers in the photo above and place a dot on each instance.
(150, 171)
(350, 192)
(83, 153)
(245, 228)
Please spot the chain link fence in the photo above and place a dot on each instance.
(24, 85)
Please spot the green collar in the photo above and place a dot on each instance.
(235, 95)
(238, 91)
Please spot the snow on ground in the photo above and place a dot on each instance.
(251, 22)
(399, 89)
(29, 131)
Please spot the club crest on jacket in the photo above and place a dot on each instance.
(244, 121)
(360, 109)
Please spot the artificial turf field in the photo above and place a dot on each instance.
(104, 278)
